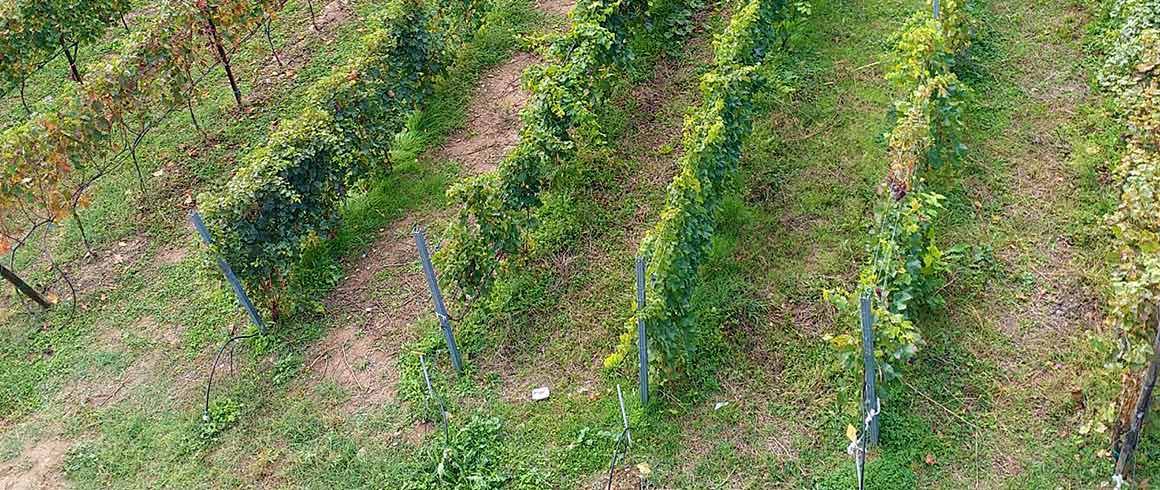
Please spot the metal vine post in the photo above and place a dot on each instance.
(240, 291)
(432, 396)
(641, 331)
(437, 297)
(1131, 438)
(869, 370)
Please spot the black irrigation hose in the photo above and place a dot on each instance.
(620, 441)
(213, 368)
(861, 464)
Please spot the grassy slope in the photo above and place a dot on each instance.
(120, 379)
(993, 388)
(130, 238)
(991, 398)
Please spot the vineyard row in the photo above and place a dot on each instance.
(676, 248)
(48, 162)
(906, 267)
(34, 31)
(288, 192)
(496, 209)
(1130, 75)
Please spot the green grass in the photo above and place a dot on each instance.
(989, 403)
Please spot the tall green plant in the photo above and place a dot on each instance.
(679, 245)
(288, 192)
(496, 209)
(906, 267)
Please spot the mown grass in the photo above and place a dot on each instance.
(988, 404)
(112, 222)
(1032, 262)
(155, 427)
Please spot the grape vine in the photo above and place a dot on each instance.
(288, 193)
(679, 245)
(1131, 74)
(906, 267)
(32, 31)
(49, 162)
(496, 208)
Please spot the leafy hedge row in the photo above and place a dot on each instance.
(565, 91)
(32, 30)
(906, 267)
(288, 192)
(679, 245)
(1132, 75)
(47, 162)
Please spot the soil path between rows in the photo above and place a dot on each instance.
(385, 292)
(493, 122)
(36, 468)
(38, 464)
(653, 141)
(1033, 236)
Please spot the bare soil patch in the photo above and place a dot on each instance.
(92, 273)
(37, 468)
(332, 14)
(556, 7)
(493, 122)
(101, 271)
(415, 435)
(811, 318)
(624, 477)
(132, 17)
(571, 358)
(172, 255)
(294, 55)
(654, 126)
(385, 292)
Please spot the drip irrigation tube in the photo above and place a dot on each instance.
(213, 369)
(621, 440)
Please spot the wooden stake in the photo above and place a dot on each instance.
(24, 288)
(225, 59)
(72, 60)
(1143, 404)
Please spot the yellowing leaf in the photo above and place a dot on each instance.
(645, 470)
(851, 433)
